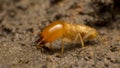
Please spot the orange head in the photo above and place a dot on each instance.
(51, 33)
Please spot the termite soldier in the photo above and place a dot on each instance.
(66, 31)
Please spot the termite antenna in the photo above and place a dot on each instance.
(100, 38)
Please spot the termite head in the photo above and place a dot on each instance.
(51, 33)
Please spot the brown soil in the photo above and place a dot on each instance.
(22, 20)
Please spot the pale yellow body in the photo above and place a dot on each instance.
(72, 30)
(78, 33)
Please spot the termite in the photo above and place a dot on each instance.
(68, 32)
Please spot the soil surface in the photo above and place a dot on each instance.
(21, 22)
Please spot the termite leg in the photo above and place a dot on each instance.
(87, 35)
(51, 47)
(62, 49)
(100, 39)
(81, 39)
